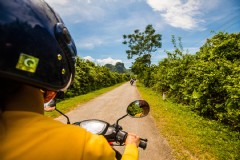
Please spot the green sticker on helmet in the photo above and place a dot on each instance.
(27, 63)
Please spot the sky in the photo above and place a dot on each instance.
(98, 26)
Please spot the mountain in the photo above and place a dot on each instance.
(119, 67)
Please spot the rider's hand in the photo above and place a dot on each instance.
(132, 139)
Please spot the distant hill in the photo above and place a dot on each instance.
(119, 67)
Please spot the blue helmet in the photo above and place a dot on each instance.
(36, 48)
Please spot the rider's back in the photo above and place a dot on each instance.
(30, 135)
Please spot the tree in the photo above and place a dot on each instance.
(140, 64)
(90, 77)
(178, 49)
(207, 81)
(142, 44)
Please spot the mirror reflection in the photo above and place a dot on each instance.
(138, 108)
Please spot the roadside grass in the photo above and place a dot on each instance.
(190, 135)
(69, 104)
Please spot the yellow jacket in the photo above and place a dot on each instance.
(32, 136)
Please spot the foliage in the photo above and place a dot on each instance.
(208, 81)
(190, 135)
(171, 72)
(218, 72)
(142, 44)
(90, 77)
(134, 110)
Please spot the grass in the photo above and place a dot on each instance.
(190, 135)
(69, 104)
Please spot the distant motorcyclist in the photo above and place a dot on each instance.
(37, 55)
(132, 81)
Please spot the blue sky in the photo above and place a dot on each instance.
(97, 26)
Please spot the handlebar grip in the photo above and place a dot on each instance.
(143, 144)
(121, 138)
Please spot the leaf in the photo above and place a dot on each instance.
(196, 95)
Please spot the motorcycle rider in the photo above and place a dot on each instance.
(131, 81)
(37, 55)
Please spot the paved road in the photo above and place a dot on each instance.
(111, 106)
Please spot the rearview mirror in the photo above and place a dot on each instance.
(138, 108)
(50, 105)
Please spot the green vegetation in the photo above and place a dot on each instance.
(135, 110)
(142, 45)
(190, 135)
(208, 81)
(201, 117)
(71, 103)
(90, 77)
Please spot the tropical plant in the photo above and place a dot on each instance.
(142, 45)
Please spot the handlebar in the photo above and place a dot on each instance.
(122, 136)
(143, 143)
(112, 133)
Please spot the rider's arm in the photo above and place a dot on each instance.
(97, 148)
(130, 152)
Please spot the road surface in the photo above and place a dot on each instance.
(111, 106)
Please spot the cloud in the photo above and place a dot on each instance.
(89, 58)
(108, 60)
(179, 13)
(77, 11)
(110, 18)
(103, 11)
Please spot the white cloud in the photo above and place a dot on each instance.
(89, 58)
(77, 11)
(179, 13)
(108, 60)
(103, 17)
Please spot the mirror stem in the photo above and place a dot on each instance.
(68, 121)
(121, 118)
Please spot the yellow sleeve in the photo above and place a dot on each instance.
(130, 152)
(97, 148)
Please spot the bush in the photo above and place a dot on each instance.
(90, 77)
(209, 81)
